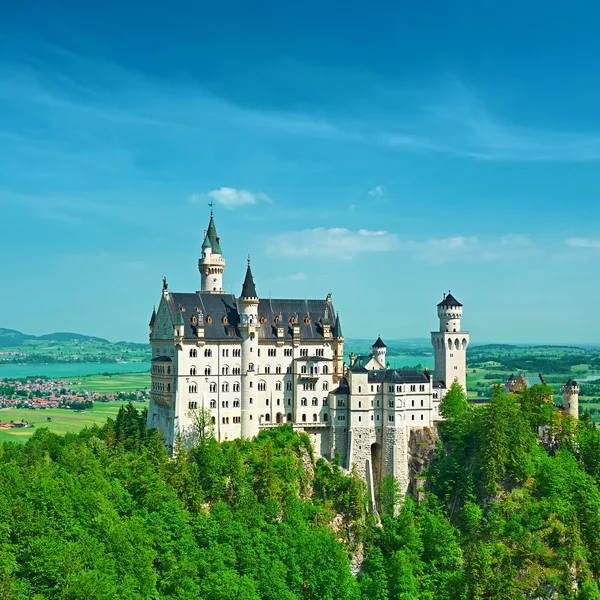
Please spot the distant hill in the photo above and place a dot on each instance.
(12, 337)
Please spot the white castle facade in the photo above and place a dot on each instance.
(255, 363)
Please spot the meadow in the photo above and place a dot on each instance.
(112, 383)
(63, 420)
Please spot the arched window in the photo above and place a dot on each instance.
(304, 418)
(213, 387)
(207, 352)
(267, 418)
(325, 369)
(304, 402)
(315, 402)
(267, 370)
(213, 404)
(278, 385)
(325, 386)
(193, 353)
(325, 417)
(303, 369)
(315, 417)
(289, 417)
(193, 388)
(225, 387)
(251, 367)
(236, 387)
(192, 371)
(288, 385)
(236, 403)
(262, 386)
(225, 370)
(206, 371)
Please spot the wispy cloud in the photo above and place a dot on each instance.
(577, 242)
(233, 198)
(379, 191)
(337, 243)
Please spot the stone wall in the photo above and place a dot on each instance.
(421, 451)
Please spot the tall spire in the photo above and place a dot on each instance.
(211, 235)
(249, 287)
(337, 330)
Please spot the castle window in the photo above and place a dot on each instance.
(391, 418)
(289, 369)
(359, 389)
(378, 417)
(289, 417)
(278, 386)
(267, 418)
(293, 320)
(341, 417)
(225, 352)
(278, 402)
(359, 419)
(251, 402)
(236, 370)
(319, 352)
(207, 353)
(325, 402)
(212, 419)
(287, 352)
(213, 404)
(225, 387)
(371, 388)
(192, 405)
(209, 319)
(413, 388)
(236, 387)
(304, 418)
(304, 402)
(325, 386)
(207, 371)
(193, 388)
(422, 388)
(359, 404)
(267, 370)
(325, 417)
(421, 417)
(413, 402)
(421, 402)
(237, 352)
(192, 370)
(225, 370)
(225, 320)
(307, 320)
(251, 367)
(325, 369)
(263, 320)
(315, 402)
(413, 417)
(391, 404)
(289, 401)
(303, 369)
(288, 386)
(193, 353)
(271, 351)
(278, 369)
(262, 386)
(213, 387)
(315, 417)
(341, 402)
(194, 319)
(237, 419)
(303, 351)
(236, 404)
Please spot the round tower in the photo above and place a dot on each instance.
(449, 313)
(248, 326)
(450, 344)
(570, 399)
(211, 264)
(379, 350)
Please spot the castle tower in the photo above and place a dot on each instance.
(212, 264)
(570, 398)
(379, 350)
(450, 344)
(338, 349)
(248, 309)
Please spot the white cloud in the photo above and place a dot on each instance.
(379, 191)
(232, 198)
(583, 242)
(470, 248)
(335, 242)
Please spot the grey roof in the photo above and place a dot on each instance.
(219, 306)
(512, 377)
(153, 317)
(379, 343)
(571, 383)
(398, 376)
(161, 359)
(337, 328)
(211, 235)
(343, 387)
(248, 287)
(439, 384)
(449, 300)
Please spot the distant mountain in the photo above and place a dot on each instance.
(12, 337)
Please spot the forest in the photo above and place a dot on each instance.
(105, 514)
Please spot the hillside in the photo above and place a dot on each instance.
(17, 347)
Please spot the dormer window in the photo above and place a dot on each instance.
(209, 319)
(276, 320)
(225, 320)
(194, 320)
(263, 320)
(293, 320)
(307, 320)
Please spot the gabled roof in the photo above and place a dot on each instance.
(449, 300)
(153, 317)
(179, 318)
(379, 343)
(248, 287)
(337, 328)
(571, 383)
(224, 316)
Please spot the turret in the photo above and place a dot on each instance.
(248, 309)
(211, 264)
(179, 325)
(379, 350)
(450, 313)
(338, 349)
(152, 320)
(570, 398)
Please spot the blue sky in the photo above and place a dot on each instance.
(383, 152)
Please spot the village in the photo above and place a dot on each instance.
(42, 393)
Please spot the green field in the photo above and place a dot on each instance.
(112, 384)
(63, 420)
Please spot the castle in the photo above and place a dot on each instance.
(255, 363)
